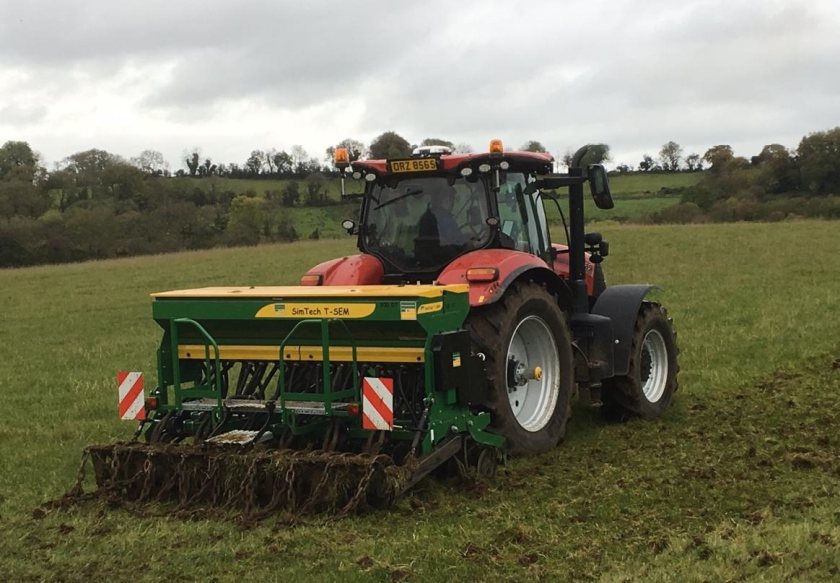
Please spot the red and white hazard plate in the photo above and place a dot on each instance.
(378, 403)
(132, 398)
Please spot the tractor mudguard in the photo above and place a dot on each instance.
(621, 303)
(360, 269)
(511, 265)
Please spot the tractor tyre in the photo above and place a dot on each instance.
(526, 345)
(650, 383)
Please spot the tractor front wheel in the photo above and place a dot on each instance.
(528, 359)
(651, 380)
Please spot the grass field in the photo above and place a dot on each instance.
(644, 184)
(639, 195)
(740, 480)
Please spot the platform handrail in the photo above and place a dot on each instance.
(213, 366)
(324, 324)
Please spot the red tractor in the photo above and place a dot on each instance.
(542, 321)
(460, 331)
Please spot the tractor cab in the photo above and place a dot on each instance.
(419, 224)
(421, 213)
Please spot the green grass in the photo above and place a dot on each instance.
(641, 183)
(639, 195)
(326, 219)
(738, 480)
(629, 210)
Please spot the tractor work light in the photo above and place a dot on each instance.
(479, 274)
(466, 171)
(341, 158)
(312, 279)
(496, 146)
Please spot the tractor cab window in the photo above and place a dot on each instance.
(421, 224)
(542, 221)
(519, 217)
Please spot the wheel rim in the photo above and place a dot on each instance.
(532, 354)
(654, 366)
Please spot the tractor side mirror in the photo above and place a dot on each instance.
(599, 186)
(349, 225)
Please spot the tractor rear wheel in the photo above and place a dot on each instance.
(651, 380)
(527, 349)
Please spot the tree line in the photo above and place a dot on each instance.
(776, 184)
(95, 204)
(296, 163)
(671, 158)
(274, 163)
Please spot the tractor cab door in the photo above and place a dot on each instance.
(522, 217)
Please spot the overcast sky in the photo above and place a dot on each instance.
(231, 77)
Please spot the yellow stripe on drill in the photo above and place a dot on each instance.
(304, 353)
(318, 292)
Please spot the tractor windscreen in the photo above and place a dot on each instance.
(421, 224)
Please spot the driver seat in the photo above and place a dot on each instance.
(427, 242)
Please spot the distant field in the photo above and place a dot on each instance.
(627, 185)
(637, 196)
(326, 219)
(738, 481)
(629, 210)
(651, 183)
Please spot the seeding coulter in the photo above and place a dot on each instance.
(460, 333)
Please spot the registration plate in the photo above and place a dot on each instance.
(415, 165)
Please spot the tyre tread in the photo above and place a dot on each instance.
(487, 326)
(622, 394)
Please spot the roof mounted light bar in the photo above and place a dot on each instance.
(433, 150)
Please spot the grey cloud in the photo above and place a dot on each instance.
(627, 73)
(746, 87)
(293, 53)
(21, 114)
